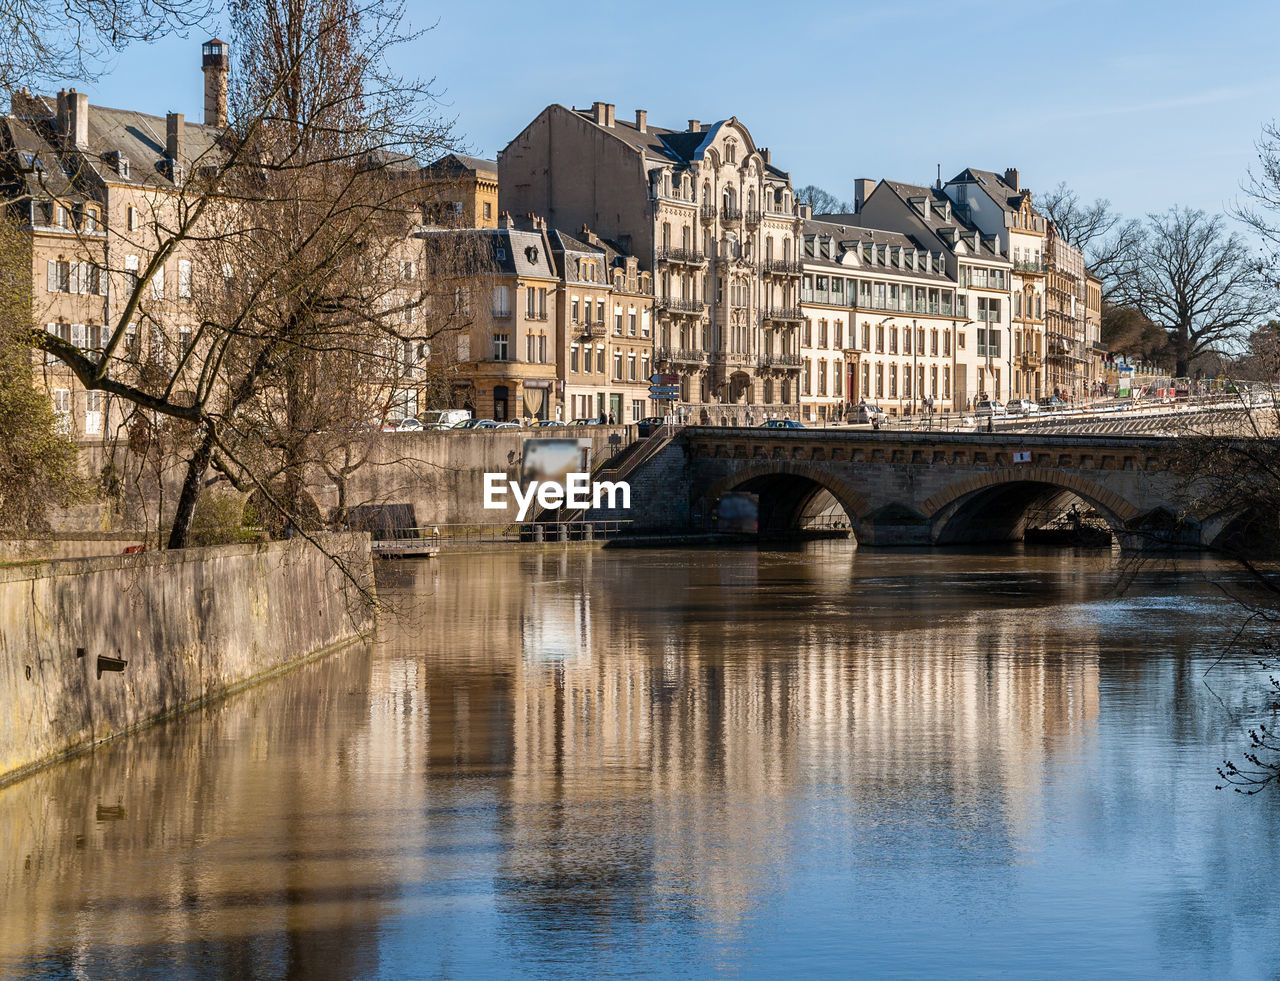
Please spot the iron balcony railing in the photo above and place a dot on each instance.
(708, 213)
(675, 304)
(783, 361)
(680, 355)
(782, 267)
(688, 256)
(728, 213)
(594, 330)
(1026, 265)
(784, 314)
(753, 217)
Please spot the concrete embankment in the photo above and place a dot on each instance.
(91, 648)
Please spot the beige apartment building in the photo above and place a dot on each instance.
(1067, 353)
(999, 206)
(94, 188)
(461, 191)
(605, 347)
(707, 215)
(1095, 350)
(981, 325)
(880, 323)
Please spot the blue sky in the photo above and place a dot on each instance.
(1148, 104)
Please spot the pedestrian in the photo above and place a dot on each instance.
(612, 420)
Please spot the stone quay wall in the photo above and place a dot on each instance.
(91, 648)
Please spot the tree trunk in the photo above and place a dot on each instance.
(197, 466)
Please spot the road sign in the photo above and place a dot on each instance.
(664, 392)
(666, 380)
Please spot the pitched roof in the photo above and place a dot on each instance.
(942, 216)
(848, 235)
(460, 162)
(1001, 191)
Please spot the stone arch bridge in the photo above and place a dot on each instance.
(924, 488)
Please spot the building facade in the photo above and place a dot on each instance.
(461, 191)
(706, 213)
(880, 323)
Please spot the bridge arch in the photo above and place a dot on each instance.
(788, 491)
(995, 505)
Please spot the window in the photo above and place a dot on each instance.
(893, 340)
(93, 402)
(573, 306)
(501, 347)
(488, 209)
(59, 276)
(637, 410)
(806, 379)
(62, 406)
(502, 302)
(839, 335)
(184, 339)
(600, 311)
(600, 359)
(157, 284)
(617, 321)
(879, 381)
(631, 367)
(617, 365)
(879, 338)
(644, 324)
(822, 378)
(184, 278)
(573, 357)
(132, 219)
(893, 381)
(631, 322)
(530, 347)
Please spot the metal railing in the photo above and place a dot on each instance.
(784, 314)
(594, 330)
(784, 267)
(780, 361)
(689, 256)
(728, 213)
(708, 213)
(493, 533)
(676, 304)
(680, 355)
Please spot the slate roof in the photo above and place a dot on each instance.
(1004, 194)
(461, 163)
(847, 235)
(937, 201)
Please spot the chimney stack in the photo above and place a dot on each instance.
(642, 120)
(695, 126)
(608, 114)
(174, 130)
(62, 112)
(215, 62)
(599, 113)
(806, 211)
(768, 157)
(1011, 178)
(862, 188)
(77, 131)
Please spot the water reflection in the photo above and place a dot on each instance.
(737, 762)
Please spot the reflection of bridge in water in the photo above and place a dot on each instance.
(928, 488)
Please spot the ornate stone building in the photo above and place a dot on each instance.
(708, 215)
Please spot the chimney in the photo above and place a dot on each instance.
(806, 211)
(62, 112)
(215, 62)
(1011, 178)
(695, 126)
(174, 129)
(768, 157)
(642, 120)
(862, 188)
(77, 119)
(505, 220)
(608, 114)
(599, 113)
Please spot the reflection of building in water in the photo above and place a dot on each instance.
(685, 746)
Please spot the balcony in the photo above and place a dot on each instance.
(674, 304)
(689, 257)
(707, 213)
(752, 218)
(730, 215)
(594, 330)
(783, 315)
(680, 355)
(780, 362)
(781, 267)
(501, 314)
(1028, 266)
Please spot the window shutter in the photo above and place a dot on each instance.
(53, 276)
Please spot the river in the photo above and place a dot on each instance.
(810, 761)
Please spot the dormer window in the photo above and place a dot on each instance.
(731, 152)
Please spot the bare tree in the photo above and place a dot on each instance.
(1196, 279)
(822, 202)
(1104, 237)
(43, 42)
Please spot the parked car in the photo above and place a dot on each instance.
(646, 427)
(781, 424)
(485, 424)
(1051, 404)
(509, 424)
(546, 423)
(867, 412)
(989, 408)
(584, 422)
(443, 418)
(467, 424)
(409, 425)
(1021, 407)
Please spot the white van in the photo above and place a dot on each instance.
(443, 418)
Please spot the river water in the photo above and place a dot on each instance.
(815, 761)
